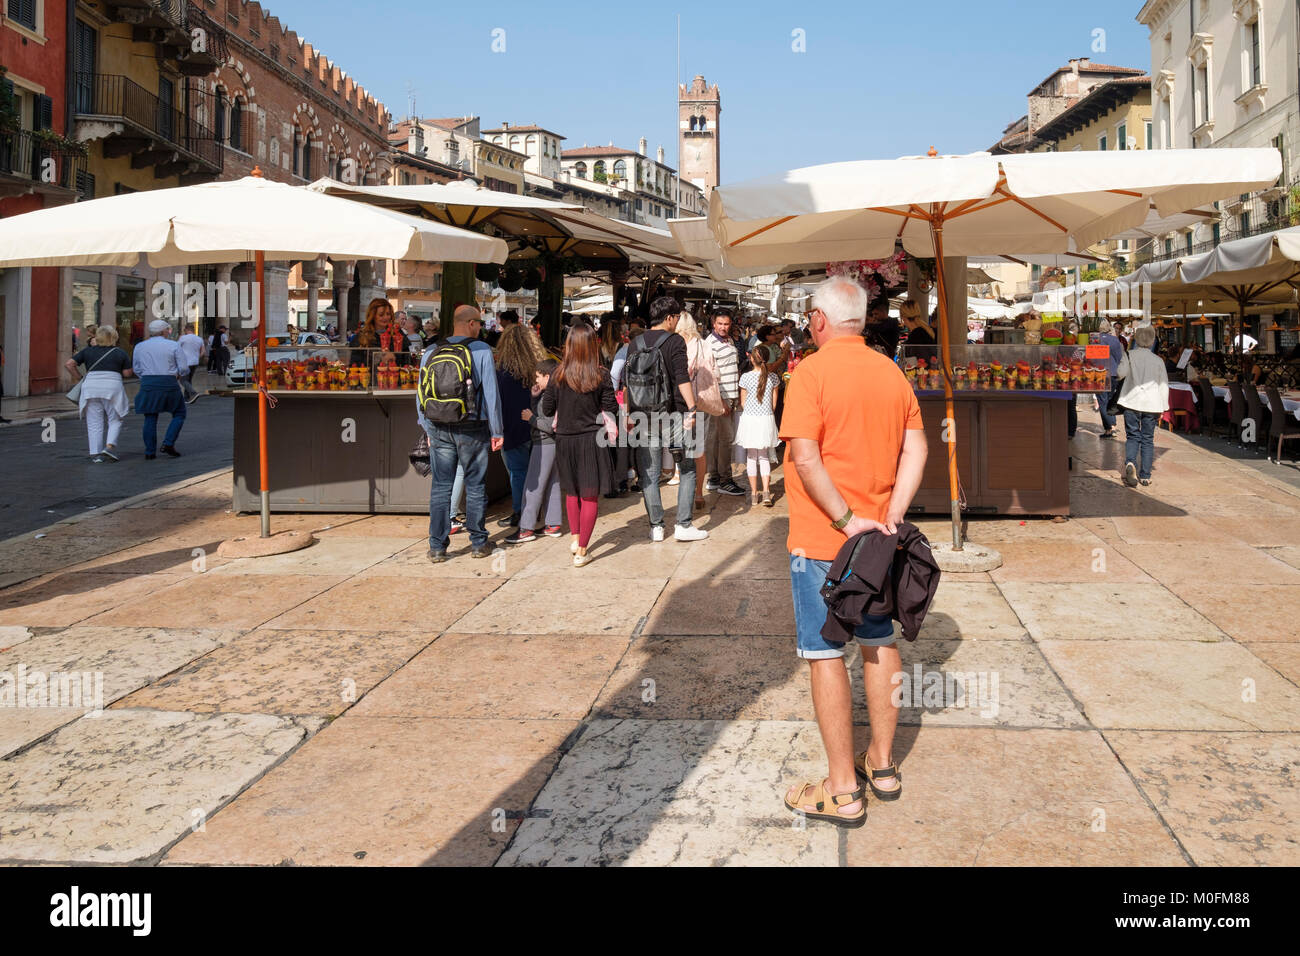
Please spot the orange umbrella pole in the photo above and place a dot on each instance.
(262, 458)
(945, 353)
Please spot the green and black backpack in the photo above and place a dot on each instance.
(446, 389)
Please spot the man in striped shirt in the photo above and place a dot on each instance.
(722, 428)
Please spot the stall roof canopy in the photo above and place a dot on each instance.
(229, 222)
(991, 205)
(533, 225)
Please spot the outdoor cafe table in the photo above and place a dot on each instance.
(1290, 400)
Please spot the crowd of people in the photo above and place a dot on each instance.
(627, 405)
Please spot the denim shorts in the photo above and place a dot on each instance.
(806, 579)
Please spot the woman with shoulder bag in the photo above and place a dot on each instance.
(101, 399)
(703, 369)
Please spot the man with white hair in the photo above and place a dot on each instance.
(854, 456)
(160, 365)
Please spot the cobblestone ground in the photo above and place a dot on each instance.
(352, 703)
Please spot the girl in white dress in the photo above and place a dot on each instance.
(757, 432)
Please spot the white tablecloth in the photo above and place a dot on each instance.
(1290, 404)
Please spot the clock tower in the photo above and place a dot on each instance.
(698, 109)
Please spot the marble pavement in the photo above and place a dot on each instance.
(354, 704)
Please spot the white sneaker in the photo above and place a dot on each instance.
(657, 533)
(689, 534)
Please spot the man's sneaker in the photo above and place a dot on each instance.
(553, 531)
(683, 533)
(457, 524)
(711, 483)
(169, 450)
(1130, 474)
(521, 537)
(110, 456)
(191, 398)
(510, 521)
(656, 532)
(97, 459)
(729, 487)
(437, 556)
(483, 551)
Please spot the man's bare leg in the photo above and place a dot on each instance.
(833, 703)
(879, 665)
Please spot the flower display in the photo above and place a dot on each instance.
(878, 276)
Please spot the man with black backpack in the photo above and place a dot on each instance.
(661, 410)
(460, 410)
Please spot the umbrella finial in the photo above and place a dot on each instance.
(257, 171)
(932, 152)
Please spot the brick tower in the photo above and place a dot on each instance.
(698, 109)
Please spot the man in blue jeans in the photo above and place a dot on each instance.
(465, 444)
(1109, 339)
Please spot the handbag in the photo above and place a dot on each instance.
(74, 393)
(708, 391)
(419, 456)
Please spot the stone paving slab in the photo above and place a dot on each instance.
(1221, 566)
(1283, 658)
(616, 554)
(1247, 612)
(412, 562)
(761, 557)
(564, 602)
(757, 678)
(121, 787)
(123, 658)
(64, 599)
(341, 556)
(1287, 553)
(171, 555)
(1232, 799)
(724, 604)
(1004, 797)
(1159, 685)
(674, 792)
(1106, 612)
(234, 601)
(1271, 532)
(384, 603)
(538, 677)
(1052, 562)
(386, 791)
(283, 672)
(972, 610)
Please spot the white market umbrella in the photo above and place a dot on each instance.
(978, 204)
(249, 218)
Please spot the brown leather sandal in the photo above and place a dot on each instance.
(820, 799)
(869, 774)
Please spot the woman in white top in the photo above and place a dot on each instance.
(757, 432)
(103, 395)
(1144, 398)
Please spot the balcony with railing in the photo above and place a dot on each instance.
(1266, 211)
(134, 122)
(182, 30)
(30, 162)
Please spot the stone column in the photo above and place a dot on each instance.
(342, 286)
(311, 277)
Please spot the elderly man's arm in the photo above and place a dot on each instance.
(806, 454)
(907, 479)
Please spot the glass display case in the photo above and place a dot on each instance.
(993, 368)
(341, 369)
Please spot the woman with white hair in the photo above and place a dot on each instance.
(1144, 398)
(160, 363)
(103, 402)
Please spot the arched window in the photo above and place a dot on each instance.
(236, 124)
(620, 169)
(219, 129)
(581, 169)
(694, 120)
(514, 143)
(530, 145)
(306, 155)
(297, 151)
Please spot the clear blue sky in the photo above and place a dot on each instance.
(877, 80)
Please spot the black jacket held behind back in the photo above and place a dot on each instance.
(889, 575)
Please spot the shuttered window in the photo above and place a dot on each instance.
(23, 12)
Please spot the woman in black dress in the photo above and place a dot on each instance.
(581, 397)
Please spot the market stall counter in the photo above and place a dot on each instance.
(1011, 405)
(336, 443)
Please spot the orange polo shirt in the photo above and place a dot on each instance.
(856, 404)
